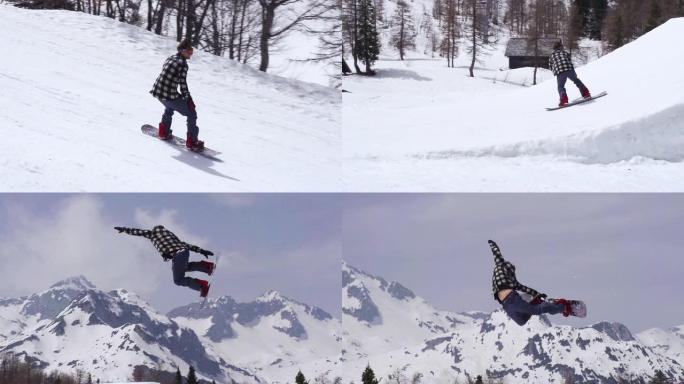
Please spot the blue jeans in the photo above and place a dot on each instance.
(181, 266)
(181, 106)
(520, 310)
(563, 77)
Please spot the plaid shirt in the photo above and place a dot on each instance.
(504, 275)
(173, 74)
(560, 62)
(164, 240)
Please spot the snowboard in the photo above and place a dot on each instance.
(180, 142)
(578, 101)
(209, 279)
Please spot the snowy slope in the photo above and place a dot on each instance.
(669, 342)
(491, 344)
(273, 336)
(420, 126)
(79, 94)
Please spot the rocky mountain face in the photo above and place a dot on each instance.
(74, 325)
(400, 334)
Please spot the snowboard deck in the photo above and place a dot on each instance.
(210, 279)
(581, 100)
(180, 142)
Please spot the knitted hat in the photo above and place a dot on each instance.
(185, 44)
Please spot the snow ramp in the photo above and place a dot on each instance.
(75, 93)
(642, 116)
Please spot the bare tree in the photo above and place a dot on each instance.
(270, 32)
(450, 31)
(403, 30)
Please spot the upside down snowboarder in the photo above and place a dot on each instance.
(165, 89)
(505, 287)
(172, 248)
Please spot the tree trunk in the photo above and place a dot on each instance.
(474, 28)
(267, 16)
(160, 17)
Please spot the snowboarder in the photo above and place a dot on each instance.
(173, 75)
(505, 287)
(561, 65)
(172, 248)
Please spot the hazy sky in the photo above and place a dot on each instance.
(286, 242)
(621, 254)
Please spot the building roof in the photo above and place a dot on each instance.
(522, 46)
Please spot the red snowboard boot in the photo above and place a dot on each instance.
(585, 93)
(165, 132)
(209, 265)
(567, 310)
(194, 145)
(563, 100)
(204, 290)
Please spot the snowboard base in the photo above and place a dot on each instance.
(180, 142)
(209, 279)
(578, 101)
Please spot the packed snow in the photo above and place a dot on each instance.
(420, 126)
(77, 94)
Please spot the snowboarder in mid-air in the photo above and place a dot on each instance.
(172, 248)
(505, 287)
(172, 76)
(561, 65)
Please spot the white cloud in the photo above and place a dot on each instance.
(233, 200)
(77, 238)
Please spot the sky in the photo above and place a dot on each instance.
(620, 253)
(284, 242)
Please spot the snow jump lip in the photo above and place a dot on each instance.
(659, 136)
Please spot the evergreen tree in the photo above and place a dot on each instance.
(368, 376)
(659, 378)
(478, 379)
(403, 30)
(192, 378)
(367, 45)
(300, 379)
(178, 379)
(654, 19)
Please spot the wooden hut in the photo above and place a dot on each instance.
(520, 52)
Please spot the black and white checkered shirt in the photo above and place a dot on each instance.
(164, 240)
(173, 75)
(560, 61)
(504, 275)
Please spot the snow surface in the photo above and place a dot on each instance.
(419, 126)
(76, 89)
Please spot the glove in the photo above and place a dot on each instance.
(191, 104)
(538, 299)
(120, 229)
(207, 253)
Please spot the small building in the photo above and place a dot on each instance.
(520, 52)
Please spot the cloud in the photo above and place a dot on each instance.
(76, 237)
(233, 200)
